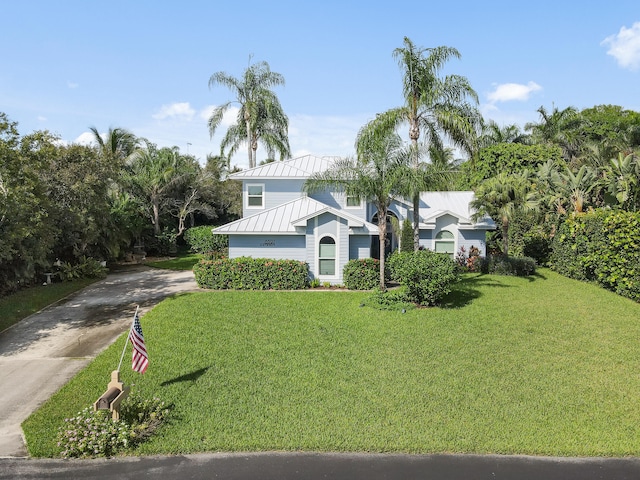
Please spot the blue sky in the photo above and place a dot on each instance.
(145, 65)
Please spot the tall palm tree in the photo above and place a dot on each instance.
(375, 176)
(434, 107)
(502, 197)
(493, 134)
(260, 118)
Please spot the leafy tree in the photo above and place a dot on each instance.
(261, 117)
(510, 158)
(374, 176)
(434, 107)
(494, 134)
(155, 176)
(116, 146)
(621, 178)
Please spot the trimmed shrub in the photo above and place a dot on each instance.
(602, 246)
(201, 240)
(246, 273)
(426, 275)
(396, 299)
(362, 274)
(504, 265)
(85, 268)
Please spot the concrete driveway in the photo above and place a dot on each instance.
(42, 352)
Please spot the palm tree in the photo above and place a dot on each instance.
(493, 134)
(502, 197)
(116, 146)
(260, 118)
(622, 180)
(560, 127)
(375, 175)
(434, 106)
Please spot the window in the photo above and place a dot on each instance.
(255, 196)
(353, 201)
(445, 242)
(327, 256)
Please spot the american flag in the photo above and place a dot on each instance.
(140, 359)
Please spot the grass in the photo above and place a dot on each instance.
(23, 303)
(540, 366)
(184, 261)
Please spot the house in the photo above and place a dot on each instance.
(328, 229)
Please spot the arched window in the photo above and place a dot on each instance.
(327, 256)
(445, 242)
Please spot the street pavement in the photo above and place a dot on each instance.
(41, 353)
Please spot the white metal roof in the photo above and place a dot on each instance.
(283, 220)
(457, 204)
(299, 167)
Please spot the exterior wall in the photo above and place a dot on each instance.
(276, 192)
(279, 247)
(336, 228)
(338, 201)
(473, 238)
(359, 247)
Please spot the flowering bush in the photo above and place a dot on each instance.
(96, 434)
(469, 262)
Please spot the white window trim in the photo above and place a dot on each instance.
(443, 240)
(354, 207)
(335, 276)
(254, 207)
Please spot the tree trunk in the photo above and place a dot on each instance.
(252, 160)
(156, 217)
(416, 222)
(382, 234)
(505, 236)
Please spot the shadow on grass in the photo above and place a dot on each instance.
(466, 290)
(189, 377)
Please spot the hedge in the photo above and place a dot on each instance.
(246, 273)
(602, 246)
(505, 265)
(362, 274)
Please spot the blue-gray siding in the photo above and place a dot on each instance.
(279, 247)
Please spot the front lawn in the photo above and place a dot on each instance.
(541, 365)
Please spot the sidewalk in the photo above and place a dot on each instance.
(42, 352)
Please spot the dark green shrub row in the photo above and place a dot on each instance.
(504, 265)
(426, 275)
(201, 240)
(362, 274)
(246, 273)
(601, 246)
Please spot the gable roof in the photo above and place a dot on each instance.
(299, 167)
(457, 204)
(283, 220)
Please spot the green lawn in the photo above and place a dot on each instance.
(184, 261)
(23, 303)
(542, 366)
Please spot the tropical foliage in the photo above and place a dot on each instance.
(63, 207)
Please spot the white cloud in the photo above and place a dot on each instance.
(625, 46)
(180, 110)
(86, 138)
(507, 92)
(229, 118)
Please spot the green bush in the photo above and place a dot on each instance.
(396, 299)
(201, 240)
(362, 274)
(504, 265)
(602, 246)
(427, 275)
(246, 273)
(85, 268)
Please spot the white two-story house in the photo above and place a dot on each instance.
(327, 229)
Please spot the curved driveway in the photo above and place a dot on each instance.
(42, 352)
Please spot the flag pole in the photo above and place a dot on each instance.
(126, 342)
